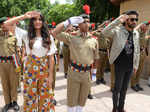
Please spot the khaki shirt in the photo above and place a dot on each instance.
(7, 44)
(148, 40)
(143, 42)
(83, 50)
(104, 43)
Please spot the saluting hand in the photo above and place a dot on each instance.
(123, 18)
(31, 14)
(144, 28)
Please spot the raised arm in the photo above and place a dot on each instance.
(73, 20)
(64, 25)
(142, 28)
(108, 30)
(27, 15)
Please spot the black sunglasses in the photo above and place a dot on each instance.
(134, 19)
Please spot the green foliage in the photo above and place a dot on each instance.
(100, 9)
(59, 13)
(17, 7)
(55, 12)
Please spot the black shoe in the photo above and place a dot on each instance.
(65, 75)
(6, 107)
(139, 87)
(15, 106)
(103, 81)
(90, 96)
(112, 90)
(121, 111)
(114, 110)
(98, 81)
(135, 88)
(148, 85)
(107, 70)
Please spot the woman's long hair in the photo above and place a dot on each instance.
(44, 33)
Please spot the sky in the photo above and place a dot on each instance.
(60, 1)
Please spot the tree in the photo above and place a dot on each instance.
(11, 8)
(100, 9)
(61, 12)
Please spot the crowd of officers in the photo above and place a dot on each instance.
(9, 78)
(104, 50)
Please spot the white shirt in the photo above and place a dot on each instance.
(37, 50)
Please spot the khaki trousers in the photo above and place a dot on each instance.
(9, 82)
(54, 77)
(135, 79)
(112, 76)
(102, 65)
(66, 58)
(78, 86)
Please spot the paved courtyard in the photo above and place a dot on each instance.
(102, 102)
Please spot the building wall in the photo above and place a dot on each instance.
(143, 7)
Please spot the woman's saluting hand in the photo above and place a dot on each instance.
(31, 14)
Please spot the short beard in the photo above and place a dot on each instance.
(131, 26)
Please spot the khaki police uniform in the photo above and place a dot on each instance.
(112, 69)
(148, 35)
(103, 48)
(83, 51)
(56, 66)
(7, 69)
(104, 45)
(135, 79)
(66, 57)
(112, 76)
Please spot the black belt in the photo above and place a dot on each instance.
(103, 50)
(80, 68)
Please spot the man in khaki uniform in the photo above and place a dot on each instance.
(103, 48)
(7, 69)
(112, 70)
(66, 58)
(148, 36)
(112, 77)
(135, 80)
(66, 52)
(56, 57)
(57, 43)
(56, 67)
(83, 52)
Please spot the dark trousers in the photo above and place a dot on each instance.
(122, 77)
